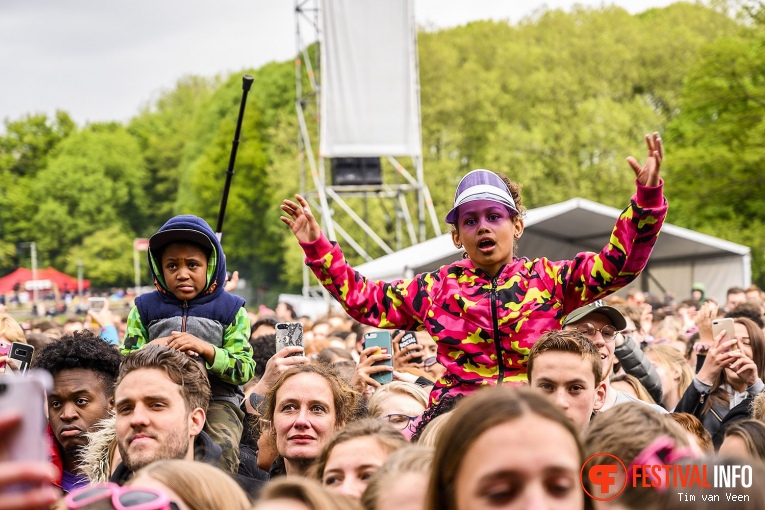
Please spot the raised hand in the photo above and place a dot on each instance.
(706, 313)
(232, 283)
(362, 377)
(648, 174)
(286, 358)
(301, 220)
(744, 366)
(718, 357)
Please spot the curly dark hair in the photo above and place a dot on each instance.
(263, 349)
(81, 349)
(445, 405)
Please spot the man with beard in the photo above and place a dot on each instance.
(601, 324)
(160, 401)
(84, 369)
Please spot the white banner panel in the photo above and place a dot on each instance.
(369, 85)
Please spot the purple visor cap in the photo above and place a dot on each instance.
(481, 185)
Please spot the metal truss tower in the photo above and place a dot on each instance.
(319, 191)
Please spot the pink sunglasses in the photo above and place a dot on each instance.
(110, 496)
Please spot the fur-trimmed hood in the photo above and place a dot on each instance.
(95, 459)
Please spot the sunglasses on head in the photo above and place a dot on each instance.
(110, 496)
(608, 332)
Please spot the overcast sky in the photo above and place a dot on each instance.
(101, 60)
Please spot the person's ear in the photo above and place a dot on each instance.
(456, 239)
(600, 396)
(111, 405)
(519, 226)
(196, 421)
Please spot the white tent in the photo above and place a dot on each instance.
(559, 231)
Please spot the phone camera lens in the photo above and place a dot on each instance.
(3, 388)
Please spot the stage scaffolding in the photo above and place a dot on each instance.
(329, 199)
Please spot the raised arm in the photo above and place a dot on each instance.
(589, 275)
(400, 304)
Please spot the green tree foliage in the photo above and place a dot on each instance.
(94, 182)
(25, 148)
(251, 238)
(107, 258)
(556, 102)
(27, 142)
(559, 100)
(163, 131)
(718, 164)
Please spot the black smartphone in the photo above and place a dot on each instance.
(381, 340)
(408, 339)
(22, 353)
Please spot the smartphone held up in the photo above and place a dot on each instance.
(20, 353)
(410, 338)
(289, 334)
(726, 325)
(25, 397)
(381, 340)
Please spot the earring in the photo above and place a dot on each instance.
(459, 246)
(517, 236)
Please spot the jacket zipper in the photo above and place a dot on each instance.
(183, 321)
(495, 324)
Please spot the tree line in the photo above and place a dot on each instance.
(555, 101)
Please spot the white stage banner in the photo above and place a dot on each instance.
(369, 84)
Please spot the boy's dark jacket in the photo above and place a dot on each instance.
(209, 316)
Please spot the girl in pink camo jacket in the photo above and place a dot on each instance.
(486, 311)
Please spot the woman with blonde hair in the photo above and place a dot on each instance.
(10, 332)
(298, 493)
(305, 407)
(507, 446)
(674, 372)
(354, 454)
(399, 403)
(402, 482)
(627, 383)
(192, 485)
(431, 434)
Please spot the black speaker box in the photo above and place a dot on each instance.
(356, 171)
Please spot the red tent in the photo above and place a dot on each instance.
(48, 279)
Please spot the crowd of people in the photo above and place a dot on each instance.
(522, 373)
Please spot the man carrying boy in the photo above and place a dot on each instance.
(191, 312)
(565, 366)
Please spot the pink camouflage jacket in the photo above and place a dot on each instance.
(477, 320)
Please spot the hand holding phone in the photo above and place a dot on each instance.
(409, 352)
(22, 355)
(24, 462)
(380, 340)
